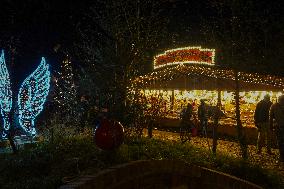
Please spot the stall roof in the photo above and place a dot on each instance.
(196, 76)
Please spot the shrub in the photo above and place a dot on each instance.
(48, 164)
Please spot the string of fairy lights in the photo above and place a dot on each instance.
(173, 72)
(188, 66)
(31, 97)
(186, 55)
(166, 69)
(5, 94)
(65, 87)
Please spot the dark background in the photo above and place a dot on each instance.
(34, 28)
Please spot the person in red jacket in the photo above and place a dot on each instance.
(261, 120)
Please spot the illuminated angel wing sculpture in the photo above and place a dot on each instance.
(5, 94)
(32, 95)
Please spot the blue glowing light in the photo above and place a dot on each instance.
(32, 96)
(5, 94)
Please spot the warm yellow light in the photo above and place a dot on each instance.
(172, 109)
(181, 62)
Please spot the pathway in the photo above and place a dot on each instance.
(231, 148)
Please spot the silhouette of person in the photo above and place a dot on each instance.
(203, 116)
(277, 113)
(261, 120)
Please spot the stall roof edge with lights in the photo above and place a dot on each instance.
(187, 75)
(193, 68)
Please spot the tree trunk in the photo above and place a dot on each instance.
(215, 135)
(12, 143)
(216, 123)
(14, 99)
(150, 127)
(241, 136)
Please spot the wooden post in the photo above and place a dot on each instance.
(173, 100)
(12, 143)
(241, 136)
(216, 117)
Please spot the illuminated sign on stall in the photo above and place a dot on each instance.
(187, 55)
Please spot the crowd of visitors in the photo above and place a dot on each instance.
(269, 118)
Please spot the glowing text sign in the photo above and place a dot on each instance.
(195, 55)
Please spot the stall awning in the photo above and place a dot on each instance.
(202, 77)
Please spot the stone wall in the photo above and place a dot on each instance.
(159, 174)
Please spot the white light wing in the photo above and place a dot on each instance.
(32, 95)
(5, 86)
(5, 93)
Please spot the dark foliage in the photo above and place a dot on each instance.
(50, 165)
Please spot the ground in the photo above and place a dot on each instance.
(231, 148)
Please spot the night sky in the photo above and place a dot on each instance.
(35, 27)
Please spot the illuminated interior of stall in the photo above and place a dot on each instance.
(173, 101)
(181, 75)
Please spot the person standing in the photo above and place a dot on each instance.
(203, 117)
(84, 108)
(277, 114)
(261, 120)
(186, 114)
(186, 124)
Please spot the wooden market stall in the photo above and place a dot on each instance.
(189, 74)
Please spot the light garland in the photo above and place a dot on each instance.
(186, 55)
(174, 72)
(5, 95)
(32, 96)
(65, 88)
(171, 102)
(170, 70)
